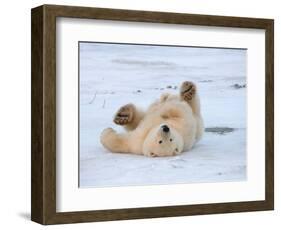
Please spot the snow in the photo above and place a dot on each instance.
(112, 75)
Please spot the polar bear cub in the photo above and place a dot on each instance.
(170, 126)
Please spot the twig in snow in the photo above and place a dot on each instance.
(103, 106)
(94, 98)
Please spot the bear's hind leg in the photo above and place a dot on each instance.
(128, 116)
(114, 142)
(120, 142)
(189, 94)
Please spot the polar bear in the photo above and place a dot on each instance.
(170, 126)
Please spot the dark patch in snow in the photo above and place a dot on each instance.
(178, 160)
(167, 87)
(171, 87)
(144, 63)
(176, 166)
(238, 86)
(138, 91)
(206, 81)
(219, 130)
(177, 163)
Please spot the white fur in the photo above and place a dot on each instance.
(182, 117)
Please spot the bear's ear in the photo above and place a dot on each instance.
(176, 151)
(148, 153)
(164, 97)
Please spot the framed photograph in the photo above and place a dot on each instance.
(140, 114)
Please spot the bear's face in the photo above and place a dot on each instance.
(163, 141)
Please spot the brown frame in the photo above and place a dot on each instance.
(43, 160)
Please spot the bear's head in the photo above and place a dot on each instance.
(163, 140)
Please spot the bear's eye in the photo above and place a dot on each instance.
(160, 142)
(171, 139)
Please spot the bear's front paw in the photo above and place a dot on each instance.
(124, 115)
(188, 90)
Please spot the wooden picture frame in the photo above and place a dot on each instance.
(43, 188)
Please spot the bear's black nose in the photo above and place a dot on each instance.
(165, 128)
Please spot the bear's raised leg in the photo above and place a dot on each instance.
(128, 116)
(120, 142)
(113, 141)
(188, 93)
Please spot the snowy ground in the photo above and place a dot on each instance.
(113, 75)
